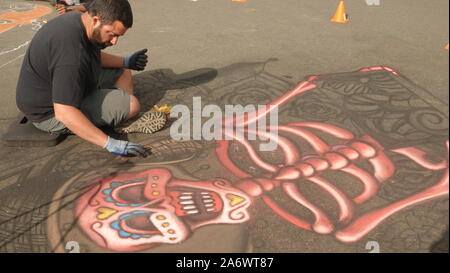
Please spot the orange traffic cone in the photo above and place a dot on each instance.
(446, 47)
(340, 16)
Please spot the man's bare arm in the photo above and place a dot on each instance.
(111, 61)
(79, 124)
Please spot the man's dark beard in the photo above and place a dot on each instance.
(97, 37)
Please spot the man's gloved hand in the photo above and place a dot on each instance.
(136, 61)
(122, 147)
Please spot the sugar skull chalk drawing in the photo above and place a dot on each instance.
(135, 211)
(154, 207)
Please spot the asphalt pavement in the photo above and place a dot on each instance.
(251, 52)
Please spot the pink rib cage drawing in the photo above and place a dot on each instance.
(130, 212)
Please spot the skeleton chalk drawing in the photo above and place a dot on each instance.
(135, 211)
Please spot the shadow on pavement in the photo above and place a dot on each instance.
(441, 246)
(157, 82)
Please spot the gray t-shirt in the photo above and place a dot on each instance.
(60, 66)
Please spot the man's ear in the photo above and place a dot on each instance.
(96, 21)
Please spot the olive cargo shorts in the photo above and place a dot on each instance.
(108, 106)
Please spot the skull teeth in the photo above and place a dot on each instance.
(209, 205)
(191, 211)
(187, 201)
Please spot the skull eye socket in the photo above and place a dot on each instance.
(136, 224)
(130, 194)
(133, 194)
(140, 224)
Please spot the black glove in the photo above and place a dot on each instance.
(136, 61)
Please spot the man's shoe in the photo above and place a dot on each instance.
(148, 123)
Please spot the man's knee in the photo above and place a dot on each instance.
(135, 106)
(109, 107)
(125, 81)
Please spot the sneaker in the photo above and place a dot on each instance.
(148, 123)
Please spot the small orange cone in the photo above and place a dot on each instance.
(340, 16)
(446, 47)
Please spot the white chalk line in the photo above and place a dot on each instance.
(14, 49)
(20, 56)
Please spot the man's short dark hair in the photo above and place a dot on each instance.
(112, 10)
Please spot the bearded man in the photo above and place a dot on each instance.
(68, 85)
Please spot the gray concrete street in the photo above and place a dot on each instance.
(249, 53)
